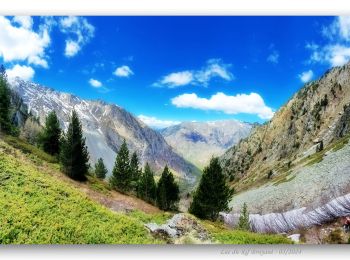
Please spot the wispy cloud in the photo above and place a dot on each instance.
(214, 68)
(273, 57)
(79, 32)
(336, 51)
(241, 103)
(95, 83)
(123, 71)
(306, 76)
(156, 123)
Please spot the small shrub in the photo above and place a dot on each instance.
(243, 223)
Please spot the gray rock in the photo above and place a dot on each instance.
(295, 238)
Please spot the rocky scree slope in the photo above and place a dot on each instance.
(105, 126)
(313, 118)
(199, 141)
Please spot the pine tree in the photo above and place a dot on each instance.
(243, 222)
(50, 137)
(5, 102)
(167, 191)
(100, 169)
(212, 194)
(147, 186)
(121, 175)
(134, 171)
(74, 155)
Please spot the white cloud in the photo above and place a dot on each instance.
(306, 76)
(18, 42)
(177, 79)
(240, 103)
(214, 68)
(23, 72)
(24, 21)
(95, 83)
(123, 71)
(273, 57)
(153, 122)
(72, 48)
(336, 51)
(79, 32)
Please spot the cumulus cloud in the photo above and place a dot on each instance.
(123, 71)
(306, 76)
(79, 32)
(156, 123)
(240, 103)
(214, 68)
(95, 83)
(23, 72)
(336, 51)
(19, 42)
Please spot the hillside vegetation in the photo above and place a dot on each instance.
(40, 205)
(37, 208)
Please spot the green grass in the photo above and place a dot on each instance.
(99, 185)
(37, 208)
(283, 180)
(29, 149)
(158, 218)
(224, 236)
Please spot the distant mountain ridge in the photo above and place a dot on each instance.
(105, 126)
(199, 141)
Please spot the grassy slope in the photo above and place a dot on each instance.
(39, 205)
(37, 208)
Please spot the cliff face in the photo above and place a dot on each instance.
(313, 118)
(105, 126)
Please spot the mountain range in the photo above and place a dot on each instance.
(105, 126)
(197, 142)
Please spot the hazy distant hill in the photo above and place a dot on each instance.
(199, 141)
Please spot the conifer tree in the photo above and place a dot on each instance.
(74, 156)
(50, 137)
(121, 175)
(212, 194)
(100, 169)
(135, 171)
(167, 191)
(243, 222)
(147, 186)
(5, 102)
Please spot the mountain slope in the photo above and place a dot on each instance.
(280, 152)
(105, 126)
(199, 141)
(37, 207)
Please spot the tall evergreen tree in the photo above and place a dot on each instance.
(100, 169)
(5, 102)
(243, 222)
(121, 175)
(167, 191)
(74, 155)
(147, 186)
(212, 194)
(50, 137)
(135, 171)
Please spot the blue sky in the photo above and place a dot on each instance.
(171, 69)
